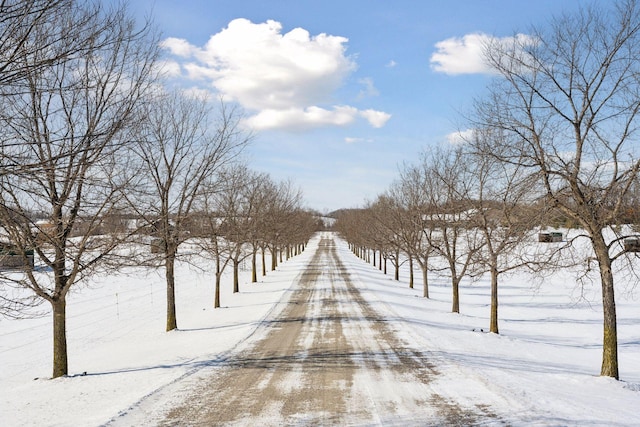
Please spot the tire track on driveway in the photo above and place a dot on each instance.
(328, 359)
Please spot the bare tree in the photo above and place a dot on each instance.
(349, 223)
(411, 189)
(394, 230)
(302, 224)
(210, 236)
(569, 98)
(257, 192)
(281, 203)
(61, 138)
(264, 227)
(45, 31)
(452, 233)
(237, 207)
(502, 196)
(182, 144)
(365, 230)
(220, 249)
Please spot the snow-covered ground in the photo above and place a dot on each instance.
(542, 369)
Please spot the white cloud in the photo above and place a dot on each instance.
(391, 64)
(465, 55)
(262, 68)
(302, 118)
(460, 137)
(377, 119)
(169, 68)
(178, 47)
(285, 78)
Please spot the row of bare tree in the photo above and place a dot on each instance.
(556, 135)
(457, 212)
(91, 140)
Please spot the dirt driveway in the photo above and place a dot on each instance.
(328, 359)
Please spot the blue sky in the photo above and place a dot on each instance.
(340, 93)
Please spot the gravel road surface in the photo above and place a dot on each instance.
(327, 359)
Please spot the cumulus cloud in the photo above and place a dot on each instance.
(377, 119)
(302, 118)
(178, 47)
(287, 79)
(464, 55)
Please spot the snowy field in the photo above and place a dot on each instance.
(542, 370)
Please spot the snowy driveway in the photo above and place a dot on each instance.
(326, 339)
(327, 359)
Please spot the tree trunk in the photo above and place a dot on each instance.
(455, 305)
(254, 267)
(60, 363)
(411, 272)
(374, 258)
(380, 261)
(171, 293)
(425, 280)
(274, 258)
(236, 279)
(610, 334)
(396, 274)
(264, 263)
(216, 302)
(493, 324)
